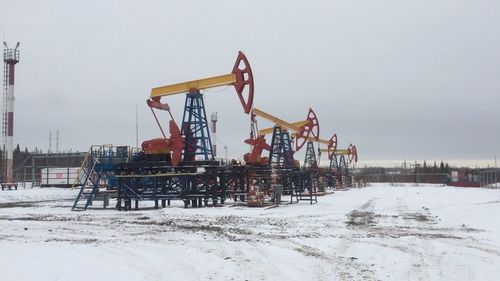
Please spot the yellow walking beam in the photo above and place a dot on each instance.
(294, 135)
(211, 82)
(327, 142)
(337, 152)
(275, 120)
(298, 124)
(270, 130)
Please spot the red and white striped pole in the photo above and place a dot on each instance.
(213, 118)
(10, 58)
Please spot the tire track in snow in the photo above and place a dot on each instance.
(418, 267)
(348, 268)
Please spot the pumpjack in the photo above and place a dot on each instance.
(168, 167)
(287, 138)
(339, 166)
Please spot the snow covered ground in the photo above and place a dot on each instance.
(380, 232)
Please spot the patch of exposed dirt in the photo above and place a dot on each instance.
(311, 252)
(29, 204)
(416, 216)
(17, 205)
(200, 227)
(74, 241)
(375, 226)
(358, 218)
(36, 217)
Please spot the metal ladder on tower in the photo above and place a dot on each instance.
(4, 116)
(306, 188)
(309, 178)
(88, 178)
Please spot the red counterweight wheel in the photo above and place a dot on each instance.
(311, 129)
(353, 154)
(244, 78)
(332, 146)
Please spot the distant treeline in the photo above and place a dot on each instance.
(20, 157)
(417, 168)
(23, 159)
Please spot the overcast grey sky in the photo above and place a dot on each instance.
(400, 79)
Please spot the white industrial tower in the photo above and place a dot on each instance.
(10, 59)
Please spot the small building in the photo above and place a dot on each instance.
(58, 177)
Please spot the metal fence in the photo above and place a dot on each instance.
(489, 177)
(30, 174)
(436, 178)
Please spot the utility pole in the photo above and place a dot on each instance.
(417, 180)
(496, 180)
(136, 125)
(225, 151)
(57, 141)
(50, 142)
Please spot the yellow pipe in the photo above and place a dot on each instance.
(216, 81)
(156, 175)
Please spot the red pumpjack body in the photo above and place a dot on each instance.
(170, 147)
